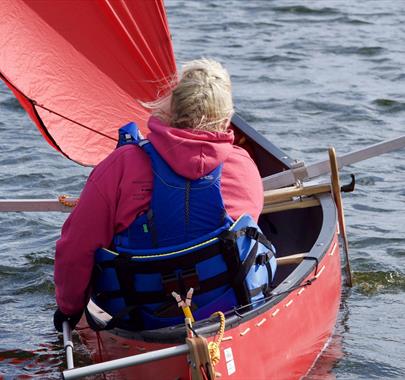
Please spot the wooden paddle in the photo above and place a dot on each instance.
(339, 207)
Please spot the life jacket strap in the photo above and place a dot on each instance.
(145, 297)
(178, 273)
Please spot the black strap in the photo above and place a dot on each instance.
(264, 258)
(126, 283)
(255, 234)
(205, 286)
(246, 265)
(155, 265)
(232, 259)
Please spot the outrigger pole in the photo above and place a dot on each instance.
(94, 369)
(301, 172)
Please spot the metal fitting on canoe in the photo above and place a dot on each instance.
(299, 171)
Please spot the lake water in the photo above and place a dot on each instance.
(307, 74)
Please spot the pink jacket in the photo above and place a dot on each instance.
(119, 189)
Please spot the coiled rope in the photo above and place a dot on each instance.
(213, 347)
(64, 199)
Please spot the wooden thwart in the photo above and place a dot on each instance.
(291, 259)
(290, 205)
(293, 197)
(280, 195)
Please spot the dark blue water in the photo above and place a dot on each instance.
(307, 74)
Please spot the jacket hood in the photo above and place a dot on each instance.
(191, 154)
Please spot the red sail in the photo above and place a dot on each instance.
(79, 67)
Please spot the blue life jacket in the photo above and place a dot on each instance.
(185, 240)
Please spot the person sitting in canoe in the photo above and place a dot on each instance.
(178, 214)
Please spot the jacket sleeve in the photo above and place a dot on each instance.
(112, 197)
(90, 226)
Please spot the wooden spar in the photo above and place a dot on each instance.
(271, 197)
(32, 205)
(302, 172)
(339, 206)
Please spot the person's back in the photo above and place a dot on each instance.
(189, 143)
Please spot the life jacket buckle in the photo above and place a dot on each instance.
(228, 238)
(264, 258)
(252, 233)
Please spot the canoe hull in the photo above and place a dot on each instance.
(281, 343)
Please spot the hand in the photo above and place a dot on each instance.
(59, 318)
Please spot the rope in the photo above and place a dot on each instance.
(213, 347)
(36, 104)
(63, 199)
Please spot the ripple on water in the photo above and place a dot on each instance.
(376, 282)
(396, 252)
(10, 103)
(389, 105)
(358, 367)
(368, 51)
(304, 10)
(350, 20)
(45, 362)
(273, 59)
(26, 279)
(369, 209)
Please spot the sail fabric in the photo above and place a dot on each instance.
(79, 68)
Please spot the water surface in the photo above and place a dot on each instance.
(307, 74)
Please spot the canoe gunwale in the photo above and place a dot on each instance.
(176, 334)
(260, 140)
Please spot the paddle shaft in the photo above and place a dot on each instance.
(302, 172)
(337, 195)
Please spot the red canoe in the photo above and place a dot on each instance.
(281, 339)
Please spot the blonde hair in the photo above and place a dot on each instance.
(200, 100)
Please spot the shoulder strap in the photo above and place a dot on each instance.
(129, 134)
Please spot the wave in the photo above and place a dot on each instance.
(301, 9)
(389, 105)
(377, 282)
